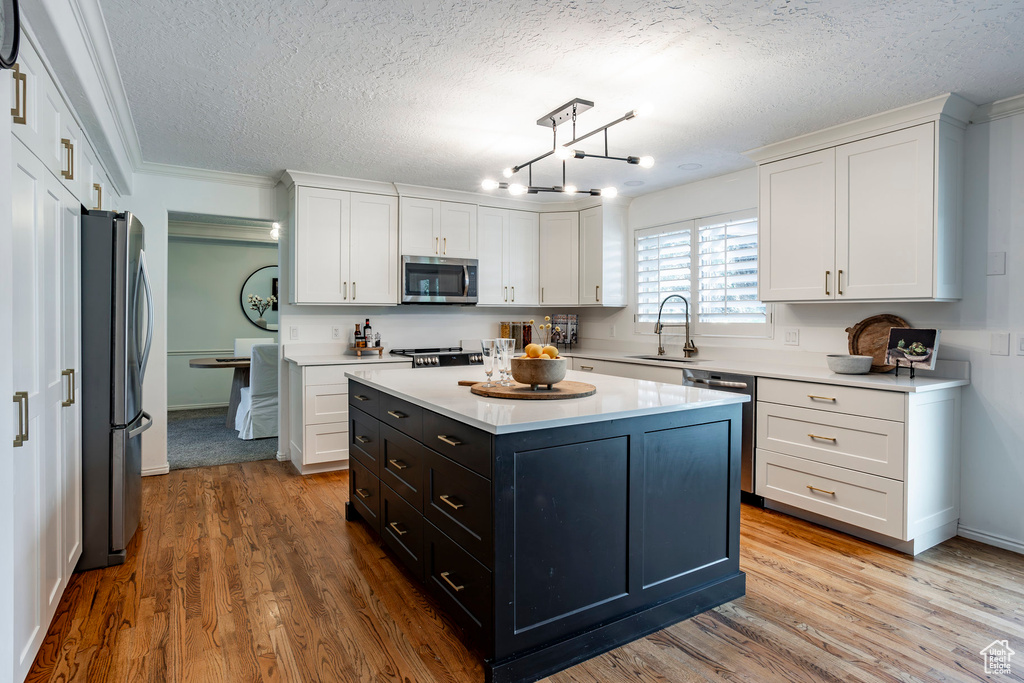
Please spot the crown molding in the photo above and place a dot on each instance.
(218, 232)
(1000, 109)
(329, 182)
(206, 175)
(949, 107)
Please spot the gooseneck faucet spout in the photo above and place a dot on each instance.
(689, 349)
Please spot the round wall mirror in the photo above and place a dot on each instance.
(259, 298)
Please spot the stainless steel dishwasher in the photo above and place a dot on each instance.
(740, 384)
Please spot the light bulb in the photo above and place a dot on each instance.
(569, 189)
(609, 192)
(516, 189)
(275, 232)
(646, 162)
(644, 110)
(489, 184)
(562, 153)
(508, 173)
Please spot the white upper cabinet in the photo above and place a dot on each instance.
(603, 256)
(344, 247)
(507, 274)
(559, 262)
(434, 228)
(523, 242)
(492, 233)
(875, 216)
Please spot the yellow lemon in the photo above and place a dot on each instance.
(550, 351)
(533, 350)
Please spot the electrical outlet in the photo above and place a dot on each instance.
(1000, 344)
(792, 337)
(1020, 344)
(293, 332)
(611, 331)
(335, 332)
(996, 263)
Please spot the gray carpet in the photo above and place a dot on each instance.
(199, 438)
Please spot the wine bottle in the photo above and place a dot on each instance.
(368, 332)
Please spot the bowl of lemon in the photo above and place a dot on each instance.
(538, 366)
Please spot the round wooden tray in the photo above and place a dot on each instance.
(870, 337)
(564, 389)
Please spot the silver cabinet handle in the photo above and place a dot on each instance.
(353, 290)
(21, 398)
(719, 383)
(506, 294)
(344, 297)
(513, 293)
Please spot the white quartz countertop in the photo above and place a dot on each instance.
(437, 389)
(775, 370)
(336, 359)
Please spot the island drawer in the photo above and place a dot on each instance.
(863, 500)
(363, 397)
(365, 439)
(458, 502)
(401, 528)
(364, 493)
(885, 405)
(864, 444)
(465, 445)
(401, 465)
(402, 415)
(459, 582)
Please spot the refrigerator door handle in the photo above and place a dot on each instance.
(142, 427)
(150, 315)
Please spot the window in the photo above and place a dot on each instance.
(715, 257)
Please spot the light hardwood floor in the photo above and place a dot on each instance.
(249, 572)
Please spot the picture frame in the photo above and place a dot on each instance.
(912, 348)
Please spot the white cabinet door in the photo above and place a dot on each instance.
(320, 263)
(797, 228)
(885, 215)
(458, 230)
(373, 254)
(492, 240)
(71, 415)
(38, 121)
(559, 258)
(591, 255)
(421, 227)
(89, 176)
(523, 242)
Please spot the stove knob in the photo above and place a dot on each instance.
(435, 361)
(419, 361)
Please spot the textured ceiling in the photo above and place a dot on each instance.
(445, 93)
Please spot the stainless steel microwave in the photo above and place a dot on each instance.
(438, 280)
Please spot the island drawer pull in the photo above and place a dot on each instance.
(362, 439)
(821, 398)
(815, 488)
(360, 397)
(586, 367)
(444, 575)
(362, 493)
(397, 415)
(400, 532)
(453, 503)
(399, 465)
(823, 438)
(450, 442)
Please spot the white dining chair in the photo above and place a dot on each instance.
(243, 347)
(257, 408)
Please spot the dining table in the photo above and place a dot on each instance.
(238, 380)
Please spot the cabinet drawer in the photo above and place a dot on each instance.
(465, 445)
(326, 443)
(326, 403)
(863, 500)
(864, 444)
(401, 528)
(886, 405)
(651, 373)
(327, 374)
(402, 415)
(364, 493)
(363, 397)
(458, 502)
(401, 465)
(364, 445)
(459, 582)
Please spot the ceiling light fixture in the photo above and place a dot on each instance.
(565, 151)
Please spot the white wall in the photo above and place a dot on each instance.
(993, 408)
(204, 314)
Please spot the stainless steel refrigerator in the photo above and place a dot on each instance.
(117, 334)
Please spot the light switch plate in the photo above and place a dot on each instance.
(1000, 344)
(1020, 344)
(293, 332)
(997, 263)
(792, 336)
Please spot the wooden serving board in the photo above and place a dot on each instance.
(870, 337)
(564, 389)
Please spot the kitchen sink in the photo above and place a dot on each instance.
(668, 359)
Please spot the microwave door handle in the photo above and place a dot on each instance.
(150, 314)
(465, 281)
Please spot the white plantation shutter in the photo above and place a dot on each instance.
(714, 257)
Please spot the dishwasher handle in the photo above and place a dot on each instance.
(719, 383)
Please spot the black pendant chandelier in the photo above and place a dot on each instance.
(566, 151)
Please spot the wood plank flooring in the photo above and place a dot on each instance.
(249, 572)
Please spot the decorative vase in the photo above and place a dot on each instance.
(261, 322)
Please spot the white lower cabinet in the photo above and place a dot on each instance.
(880, 464)
(650, 373)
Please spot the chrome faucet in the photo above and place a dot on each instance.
(688, 348)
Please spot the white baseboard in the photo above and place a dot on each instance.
(196, 406)
(153, 471)
(991, 539)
